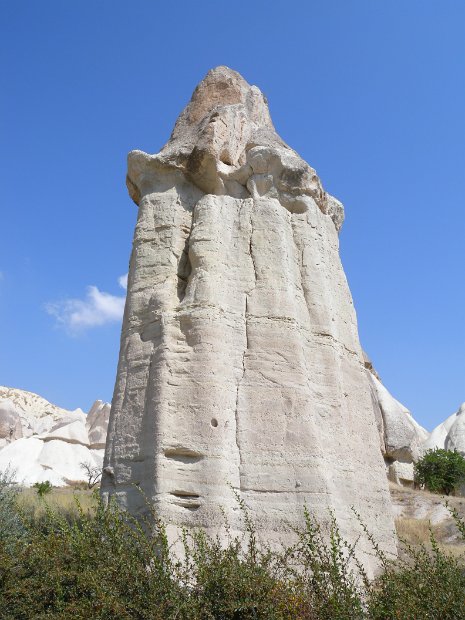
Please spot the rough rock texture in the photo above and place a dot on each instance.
(97, 424)
(401, 436)
(416, 508)
(49, 443)
(450, 434)
(240, 362)
(10, 423)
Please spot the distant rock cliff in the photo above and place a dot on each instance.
(41, 441)
(401, 437)
(240, 362)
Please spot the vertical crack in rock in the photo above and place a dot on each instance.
(184, 271)
(185, 265)
(232, 296)
(299, 255)
(236, 409)
(247, 343)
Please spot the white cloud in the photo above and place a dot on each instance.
(97, 308)
(123, 281)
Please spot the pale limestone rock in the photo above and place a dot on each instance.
(240, 362)
(73, 433)
(37, 414)
(456, 437)
(57, 461)
(55, 442)
(21, 457)
(402, 435)
(97, 424)
(10, 423)
(450, 434)
(65, 459)
(401, 472)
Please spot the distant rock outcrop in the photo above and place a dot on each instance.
(401, 437)
(450, 434)
(240, 362)
(41, 441)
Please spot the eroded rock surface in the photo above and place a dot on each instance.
(401, 437)
(10, 423)
(450, 434)
(240, 362)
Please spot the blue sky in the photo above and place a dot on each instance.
(371, 93)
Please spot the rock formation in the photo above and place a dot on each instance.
(240, 362)
(401, 437)
(10, 423)
(44, 442)
(450, 434)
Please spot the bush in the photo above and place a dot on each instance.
(102, 565)
(11, 526)
(428, 585)
(105, 566)
(43, 488)
(440, 471)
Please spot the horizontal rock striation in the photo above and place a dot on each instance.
(240, 365)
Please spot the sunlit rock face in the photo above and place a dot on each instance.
(42, 442)
(401, 437)
(450, 434)
(240, 365)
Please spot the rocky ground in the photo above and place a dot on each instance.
(420, 512)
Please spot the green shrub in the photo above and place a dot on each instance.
(43, 488)
(428, 585)
(103, 565)
(11, 526)
(440, 471)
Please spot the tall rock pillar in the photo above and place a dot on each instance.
(240, 363)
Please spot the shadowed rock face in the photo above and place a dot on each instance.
(240, 364)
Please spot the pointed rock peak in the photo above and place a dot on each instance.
(224, 143)
(224, 87)
(223, 96)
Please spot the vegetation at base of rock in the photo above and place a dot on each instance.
(440, 471)
(100, 564)
(11, 524)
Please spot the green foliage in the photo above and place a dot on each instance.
(11, 527)
(440, 471)
(429, 585)
(43, 488)
(102, 565)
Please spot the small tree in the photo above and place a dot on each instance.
(93, 473)
(440, 471)
(43, 488)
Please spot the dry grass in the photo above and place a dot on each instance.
(417, 532)
(413, 531)
(62, 499)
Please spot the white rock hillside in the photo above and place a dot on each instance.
(450, 434)
(240, 362)
(41, 441)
